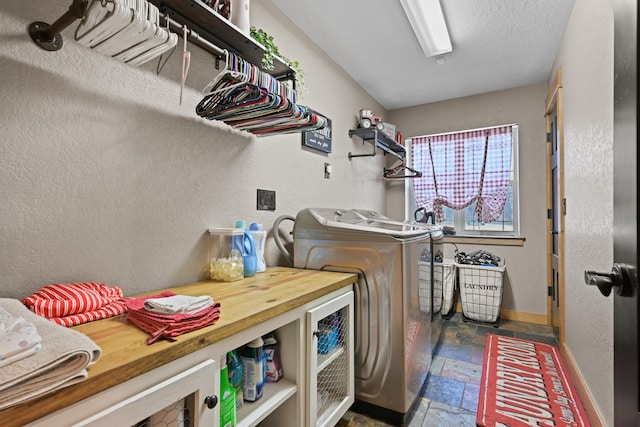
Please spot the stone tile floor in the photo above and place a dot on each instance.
(453, 384)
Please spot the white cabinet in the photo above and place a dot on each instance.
(330, 361)
(309, 371)
(188, 388)
(183, 392)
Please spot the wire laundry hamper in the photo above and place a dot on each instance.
(448, 285)
(481, 291)
(444, 275)
(424, 292)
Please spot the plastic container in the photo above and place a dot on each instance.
(272, 356)
(249, 257)
(235, 375)
(259, 237)
(225, 256)
(240, 15)
(227, 400)
(252, 358)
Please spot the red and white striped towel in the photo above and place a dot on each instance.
(71, 304)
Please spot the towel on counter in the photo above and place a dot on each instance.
(169, 326)
(177, 304)
(61, 362)
(71, 304)
(19, 338)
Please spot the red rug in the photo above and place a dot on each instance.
(526, 383)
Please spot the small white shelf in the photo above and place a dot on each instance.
(325, 360)
(274, 395)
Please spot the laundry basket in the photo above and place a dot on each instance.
(424, 294)
(481, 291)
(448, 284)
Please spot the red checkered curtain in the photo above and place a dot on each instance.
(459, 169)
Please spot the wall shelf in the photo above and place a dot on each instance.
(217, 30)
(379, 140)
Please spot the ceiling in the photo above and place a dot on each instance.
(497, 44)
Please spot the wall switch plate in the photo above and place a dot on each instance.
(266, 200)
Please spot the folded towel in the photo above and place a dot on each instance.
(178, 304)
(61, 362)
(71, 304)
(18, 338)
(169, 326)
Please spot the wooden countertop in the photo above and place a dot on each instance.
(125, 354)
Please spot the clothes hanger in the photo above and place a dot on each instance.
(400, 172)
(102, 20)
(129, 34)
(186, 60)
(170, 43)
(231, 72)
(157, 36)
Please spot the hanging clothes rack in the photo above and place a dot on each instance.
(193, 36)
(216, 36)
(249, 99)
(242, 95)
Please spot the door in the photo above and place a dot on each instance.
(330, 373)
(555, 210)
(623, 276)
(625, 219)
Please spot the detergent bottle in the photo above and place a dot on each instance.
(249, 257)
(227, 400)
(259, 236)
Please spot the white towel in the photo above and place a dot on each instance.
(178, 304)
(18, 338)
(61, 362)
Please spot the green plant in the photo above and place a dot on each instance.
(272, 51)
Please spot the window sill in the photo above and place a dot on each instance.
(485, 240)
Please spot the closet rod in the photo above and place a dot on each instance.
(47, 36)
(192, 36)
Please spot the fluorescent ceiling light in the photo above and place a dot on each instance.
(428, 24)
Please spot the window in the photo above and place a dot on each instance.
(469, 179)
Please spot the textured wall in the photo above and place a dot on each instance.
(525, 287)
(104, 177)
(586, 58)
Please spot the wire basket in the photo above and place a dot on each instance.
(448, 285)
(444, 274)
(424, 280)
(481, 291)
(332, 364)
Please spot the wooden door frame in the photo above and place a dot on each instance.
(554, 99)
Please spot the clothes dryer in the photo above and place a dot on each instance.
(397, 322)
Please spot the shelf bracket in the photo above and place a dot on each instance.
(363, 155)
(47, 36)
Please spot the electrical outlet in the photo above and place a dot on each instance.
(266, 200)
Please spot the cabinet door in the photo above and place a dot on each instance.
(182, 400)
(330, 387)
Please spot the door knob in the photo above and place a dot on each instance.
(620, 278)
(211, 401)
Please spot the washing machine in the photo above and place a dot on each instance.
(397, 310)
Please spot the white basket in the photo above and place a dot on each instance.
(444, 282)
(449, 281)
(481, 291)
(424, 296)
